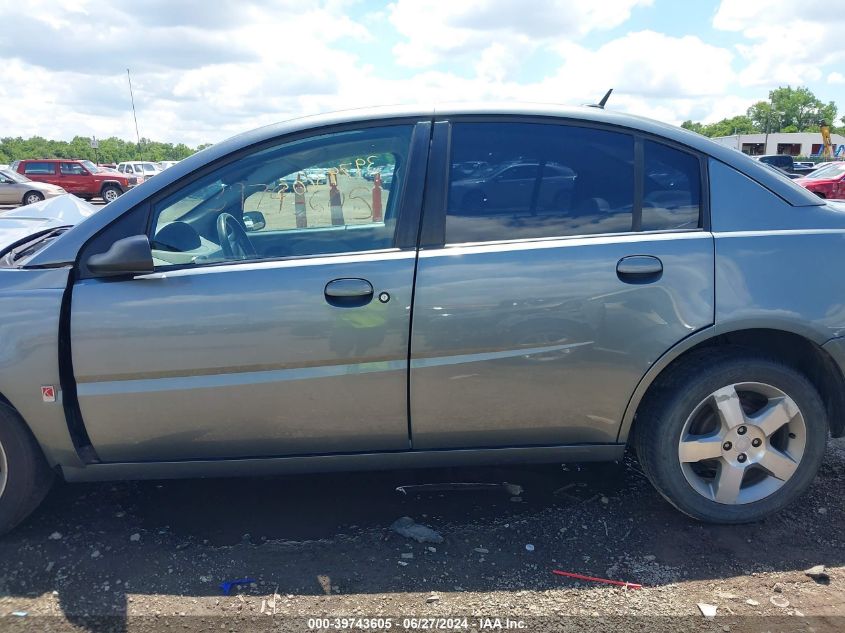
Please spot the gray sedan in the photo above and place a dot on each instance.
(631, 284)
(18, 189)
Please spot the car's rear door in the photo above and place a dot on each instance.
(299, 348)
(535, 319)
(40, 171)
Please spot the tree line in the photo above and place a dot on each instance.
(111, 150)
(787, 110)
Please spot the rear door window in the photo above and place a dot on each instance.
(527, 180)
(671, 188)
(39, 168)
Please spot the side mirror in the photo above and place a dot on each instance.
(254, 220)
(129, 256)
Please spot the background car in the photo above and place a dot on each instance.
(827, 182)
(139, 169)
(79, 177)
(18, 189)
(316, 176)
(166, 164)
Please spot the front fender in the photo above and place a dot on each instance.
(30, 305)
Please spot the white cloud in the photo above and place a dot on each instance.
(836, 78)
(790, 42)
(649, 64)
(434, 31)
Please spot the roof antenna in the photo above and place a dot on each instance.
(603, 101)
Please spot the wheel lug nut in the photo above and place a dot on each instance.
(727, 446)
(756, 442)
(741, 458)
(741, 430)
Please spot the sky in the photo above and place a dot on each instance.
(204, 70)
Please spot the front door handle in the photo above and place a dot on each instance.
(639, 269)
(349, 292)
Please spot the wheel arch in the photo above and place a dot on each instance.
(801, 350)
(29, 191)
(111, 183)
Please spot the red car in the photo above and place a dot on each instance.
(79, 177)
(827, 182)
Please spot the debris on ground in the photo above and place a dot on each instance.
(707, 610)
(752, 602)
(20, 614)
(325, 583)
(55, 536)
(529, 547)
(226, 586)
(407, 527)
(514, 490)
(618, 583)
(432, 598)
(818, 573)
(779, 601)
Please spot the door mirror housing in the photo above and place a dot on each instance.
(254, 220)
(129, 256)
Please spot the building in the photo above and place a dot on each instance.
(792, 143)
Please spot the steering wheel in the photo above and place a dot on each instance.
(233, 238)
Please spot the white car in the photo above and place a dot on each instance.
(140, 169)
(166, 164)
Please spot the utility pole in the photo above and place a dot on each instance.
(134, 115)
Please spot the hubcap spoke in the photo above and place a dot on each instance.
(778, 464)
(774, 415)
(698, 449)
(729, 407)
(728, 482)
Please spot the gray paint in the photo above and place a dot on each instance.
(243, 360)
(519, 344)
(545, 343)
(30, 301)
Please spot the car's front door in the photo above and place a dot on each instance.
(74, 177)
(10, 192)
(276, 323)
(536, 316)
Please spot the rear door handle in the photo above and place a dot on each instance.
(638, 269)
(349, 292)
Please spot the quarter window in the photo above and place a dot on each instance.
(327, 194)
(526, 180)
(671, 188)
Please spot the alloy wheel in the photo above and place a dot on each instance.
(742, 443)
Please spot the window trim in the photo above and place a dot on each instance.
(433, 231)
(410, 207)
(407, 220)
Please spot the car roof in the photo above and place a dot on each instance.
(52, 160)
(64, 249)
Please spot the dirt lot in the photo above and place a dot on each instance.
(152, 555)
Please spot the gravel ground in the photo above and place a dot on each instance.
(142, 556)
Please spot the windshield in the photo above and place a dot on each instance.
(149, 167)
(90, 166)
(14, 176)
(828, 171)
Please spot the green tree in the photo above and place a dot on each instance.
(111, 150)
(791, 110)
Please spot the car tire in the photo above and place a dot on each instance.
(731, 437)
(110, 193)
(31, 197)
(25, 477)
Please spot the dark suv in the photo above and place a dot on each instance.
(79, 177)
